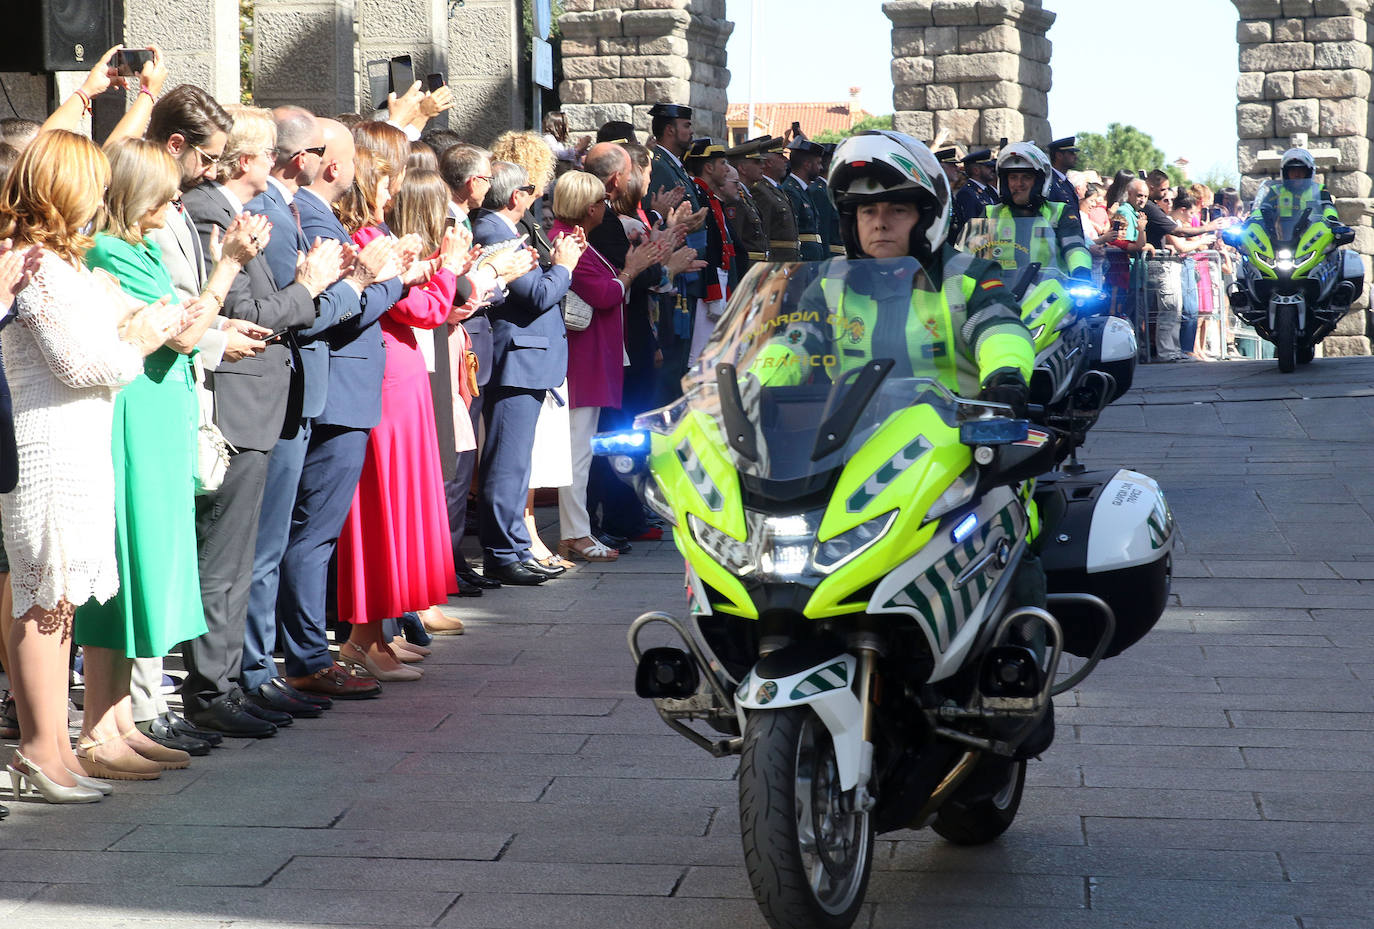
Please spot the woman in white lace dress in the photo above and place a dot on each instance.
(72, 344)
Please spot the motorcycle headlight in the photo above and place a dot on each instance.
(729, 552)
(784, 544)
(1283, 264)
(847, 546)
(956, 495)
(653, 498)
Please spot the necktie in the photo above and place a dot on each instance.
(295, 214)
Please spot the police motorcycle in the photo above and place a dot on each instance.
(1295, 282)
(852, 531)
(1084, 360)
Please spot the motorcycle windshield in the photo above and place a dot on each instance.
(1020, 245)
(809, 359)
(1288, 207)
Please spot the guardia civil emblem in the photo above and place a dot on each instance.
(856, 329)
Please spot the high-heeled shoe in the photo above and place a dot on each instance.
(81, 779)
(406, 652)
(24, 773)
(98, 764)
(411, 646)
(354, 656)
(168, 759)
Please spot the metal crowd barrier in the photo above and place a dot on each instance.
(1202, 285)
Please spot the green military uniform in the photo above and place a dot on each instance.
(1054, 239)
(819, 192)
(808, 220)
(775, 208)
(751, 236)
(967, 330)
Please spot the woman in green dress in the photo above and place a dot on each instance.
(156, 418)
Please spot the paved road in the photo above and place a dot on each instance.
(1216, 776)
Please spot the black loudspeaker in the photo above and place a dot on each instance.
(59, 35)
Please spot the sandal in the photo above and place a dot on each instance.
(589, 549)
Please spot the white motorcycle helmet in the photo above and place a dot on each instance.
(1298, 158)
(885, 166)
(1024, 156)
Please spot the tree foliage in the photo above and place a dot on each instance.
(246, 12)
(1122, 148)
(863, 125)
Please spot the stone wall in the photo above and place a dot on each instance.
(622, 56)
(1305, 68)
(199, 40)
(978, 70)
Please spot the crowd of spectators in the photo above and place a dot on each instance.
(251, 357)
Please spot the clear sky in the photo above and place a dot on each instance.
(816, 49)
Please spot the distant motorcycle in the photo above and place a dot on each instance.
(1295, 281)
(852, 531)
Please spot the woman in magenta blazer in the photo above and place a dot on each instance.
(596, 354)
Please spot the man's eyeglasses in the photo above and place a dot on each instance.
(528, 188)
(482, 177)
(210, 160)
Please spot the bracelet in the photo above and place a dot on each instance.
(151, 98)
(85, 100)
(219, 301)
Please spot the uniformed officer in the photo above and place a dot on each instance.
(706, 163)
(751, 234)
(819, 192)
(1023, 187)
(804, 159)
(1063, 159)
(949, 161)
(616, 131)
(671, 127)
(774, 205)
(978, 192)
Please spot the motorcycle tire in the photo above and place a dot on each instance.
(1305, 352)
(1285, 338)
(985, 805)
(808, 860)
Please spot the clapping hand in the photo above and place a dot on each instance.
(644, 256)
(377, 261)
(243, 240)
(414, 269)
(568, 248)
(152, 324)
(16, 268)
(243, 339)
(324, 265)
(666, 199)
(515, 263)
(455, 250)
(682, 261)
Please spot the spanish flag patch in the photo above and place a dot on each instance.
(990, 285)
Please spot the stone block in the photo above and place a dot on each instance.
(1342, 55)
(999, 38)
(1035, 102)
(1350, 324)
(919, 97)
(1348, 117)
(983, 66)
(1036, 74)
(1250, 86)
(1288, 30)
(571, 48)
(655, 22)
(615, 4)
(1036, 47)
(954, 13)
(1292, 116)
(660, 4)
(1354, 153)
(1277, 56)
(301, 53)
(667, 88)
(618, 90)
(1254, 120)
(942, 40)
(619, 45)
(664, 45)
(591, 25)
(940, 97)
(1247, 159)
(1337, 29)
(1332, 84)
(960, 125)
(1348, 184)
(1278, 85)
(1340, 7)
(1253, 33)
(920, 125)
(596, 66)
(1249, 186)
(578, 6)
(909, 13)
(1354, 212)
(1259, 9)
(1299, 8)
(912, 71)
(584, 117)
(1364, 240)
(663, 66)
(1002, 123)
(1037, 128)
(575, 91)
(908, 43)
(1338, 346)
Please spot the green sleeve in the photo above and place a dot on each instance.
(994, 329)
(140, 275)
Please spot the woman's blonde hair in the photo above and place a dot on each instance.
(254, 132)
(574, 193)
(358, 206)
(142, 178)
(53, 192)
(529, 151)
(421, 207)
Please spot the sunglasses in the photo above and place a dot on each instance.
(528, 188)
(209, 159)
(317, 150)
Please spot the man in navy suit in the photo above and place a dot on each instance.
(300, 154)
(338, 435)
(529, 357)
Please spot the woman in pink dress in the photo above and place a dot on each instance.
(395, 552)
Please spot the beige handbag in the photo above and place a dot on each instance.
(577, 313)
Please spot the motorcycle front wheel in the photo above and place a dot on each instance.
(1285, 338)
(808, 857)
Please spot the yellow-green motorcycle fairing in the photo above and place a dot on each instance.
(1315, 243)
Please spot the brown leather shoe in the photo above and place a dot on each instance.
(335, 681)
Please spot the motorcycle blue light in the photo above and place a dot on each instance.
(631, 443)
(964, 528)
(1084, 292)
(1233, 235)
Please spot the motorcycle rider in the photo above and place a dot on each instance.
(1297, 193)
(894, 201)
(1024, 179)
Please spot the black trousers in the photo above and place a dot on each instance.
(456, 490)
(226, 534)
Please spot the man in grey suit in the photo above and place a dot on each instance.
(529, 357)
(252, 398)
